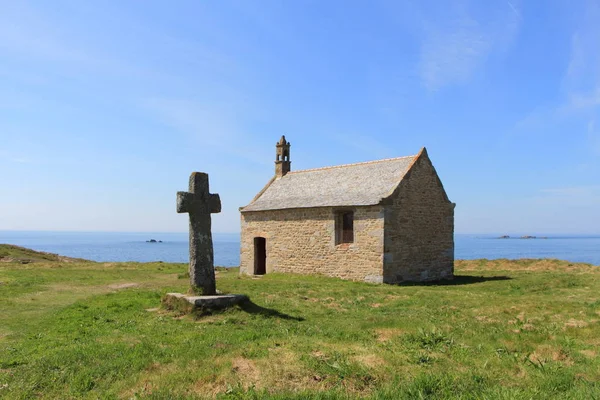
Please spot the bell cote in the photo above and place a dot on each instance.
(282, 157)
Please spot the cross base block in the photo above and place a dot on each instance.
(192, 304)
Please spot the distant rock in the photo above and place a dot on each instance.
(504, 237)
(152, 241)
(528, 237)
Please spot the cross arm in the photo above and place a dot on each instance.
(214, 203)
(184, 202)
(187, 202)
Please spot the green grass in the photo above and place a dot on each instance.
(502, 330)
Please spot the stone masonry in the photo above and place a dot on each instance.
(419, 228)
(303, 241)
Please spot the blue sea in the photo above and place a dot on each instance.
(116, 246)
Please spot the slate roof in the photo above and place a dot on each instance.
(360, 184)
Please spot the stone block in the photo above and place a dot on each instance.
(190, 304)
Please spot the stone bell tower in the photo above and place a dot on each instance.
(282, 160)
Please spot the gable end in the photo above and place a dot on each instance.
(422, 160)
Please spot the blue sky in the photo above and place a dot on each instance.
(106, 107)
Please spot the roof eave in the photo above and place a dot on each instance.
(264, 189)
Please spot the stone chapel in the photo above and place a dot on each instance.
(384, 221)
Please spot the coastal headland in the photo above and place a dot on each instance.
(72, 328)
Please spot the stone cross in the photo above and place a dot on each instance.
(199, 204)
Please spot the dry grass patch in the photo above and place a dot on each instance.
(246, 372)
(282, 370)
(588, 353)
(545, 353)
(485, 319)
(575, 323)
(369, 360)
(117, 286)
(525, 264)
(392, 297)
(386, 334)
(208, 319)
(527, 327)
(150, 378)
(210, 387)
(329, 302)
(318, 354)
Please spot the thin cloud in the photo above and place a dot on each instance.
(451, 56)
(512, 7)
(580, 87)
(213, 127)
(594, 136)
(197, 121)
(14, 158)
(452, 51)
(581, 101)
(582, 78)
(25, 32)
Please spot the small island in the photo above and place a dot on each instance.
(153, 241)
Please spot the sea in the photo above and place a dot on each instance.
(173, 247)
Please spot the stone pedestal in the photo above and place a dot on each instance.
(192, 304)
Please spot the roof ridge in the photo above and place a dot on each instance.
(349, 165)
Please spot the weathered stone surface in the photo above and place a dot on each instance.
(303, 241)
(419, 228)
(186, 303)
(199, 204)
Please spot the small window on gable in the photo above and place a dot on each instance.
(344, 227)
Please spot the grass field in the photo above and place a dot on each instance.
(501, 330)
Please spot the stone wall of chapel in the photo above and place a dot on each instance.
(419, 228)
(302, 241)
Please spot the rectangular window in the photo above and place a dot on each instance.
(344, 227)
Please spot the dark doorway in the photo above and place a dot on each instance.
(260, 256)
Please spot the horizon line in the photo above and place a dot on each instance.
(239, 232)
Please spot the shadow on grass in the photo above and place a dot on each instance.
(459, 280)
(253, 308)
